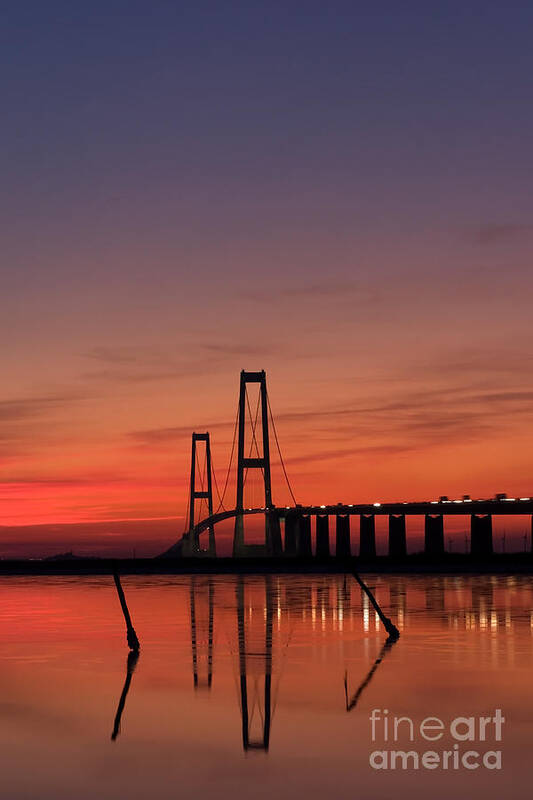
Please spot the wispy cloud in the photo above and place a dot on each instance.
(24, 408)
(242, 349)
(170, 435)
(140, 365)
(501, 233)
(334, 290)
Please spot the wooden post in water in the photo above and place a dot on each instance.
(133, 642)
(388, 624)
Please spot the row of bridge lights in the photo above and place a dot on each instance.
(465, 499)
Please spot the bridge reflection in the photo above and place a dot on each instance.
(202, 601)
(262, 617)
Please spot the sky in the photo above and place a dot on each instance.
(340, 194)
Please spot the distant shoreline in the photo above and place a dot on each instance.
(510, 563)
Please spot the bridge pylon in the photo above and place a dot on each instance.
(245, 463)
(205, 492)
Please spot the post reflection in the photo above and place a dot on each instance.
(131, 663)
(352, 702)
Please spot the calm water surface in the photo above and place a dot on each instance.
(259, 686)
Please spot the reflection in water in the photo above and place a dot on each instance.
(351, 703)
(202, 600)
(328, 604)
(131, 663)
(274, 650)
(255, 656)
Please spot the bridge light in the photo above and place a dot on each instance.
(377, 504)
(434, 502)
(350, 505)
(525, 498)
(322, 506)
(457, 501)
(509, 499)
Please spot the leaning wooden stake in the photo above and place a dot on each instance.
(389, 626)
(133, 642)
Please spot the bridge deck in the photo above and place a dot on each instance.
(504, 507)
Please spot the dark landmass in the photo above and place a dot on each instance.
(451, 563)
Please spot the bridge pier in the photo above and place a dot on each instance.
(304, 536)
(238, 537)
(397, 537)
(434, 535)
(342, 538)
(481, 535)
(367, 536)
(274, 544)
(322, 536)
(291, 532)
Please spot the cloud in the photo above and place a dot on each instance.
(335, 290)
(139, 365)
(416, 420)
(346, 452)
(241, 349)
(501, 233)
(155, 436)
(136, 376)
(113, 355)
(25, 408)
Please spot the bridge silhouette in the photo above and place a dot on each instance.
(288, 529)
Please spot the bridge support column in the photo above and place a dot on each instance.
(274, 543)
(238, 537)
(397, 537)
(434, 535)
(291, 531)
(481, 535)
(367, 536)
(304, 536)
(322, 537)
(342, 544)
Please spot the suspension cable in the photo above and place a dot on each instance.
(217, 490)
(254, 440)
(186, 525)
(201, 474)
(279, 450)
(221, 504)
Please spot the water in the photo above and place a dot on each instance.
(466, 649)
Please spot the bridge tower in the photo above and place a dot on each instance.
(204, 493)
(244, 463)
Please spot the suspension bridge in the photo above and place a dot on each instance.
(288, 529)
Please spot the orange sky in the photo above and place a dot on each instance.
(357, 224)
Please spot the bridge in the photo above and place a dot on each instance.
(288, 529)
